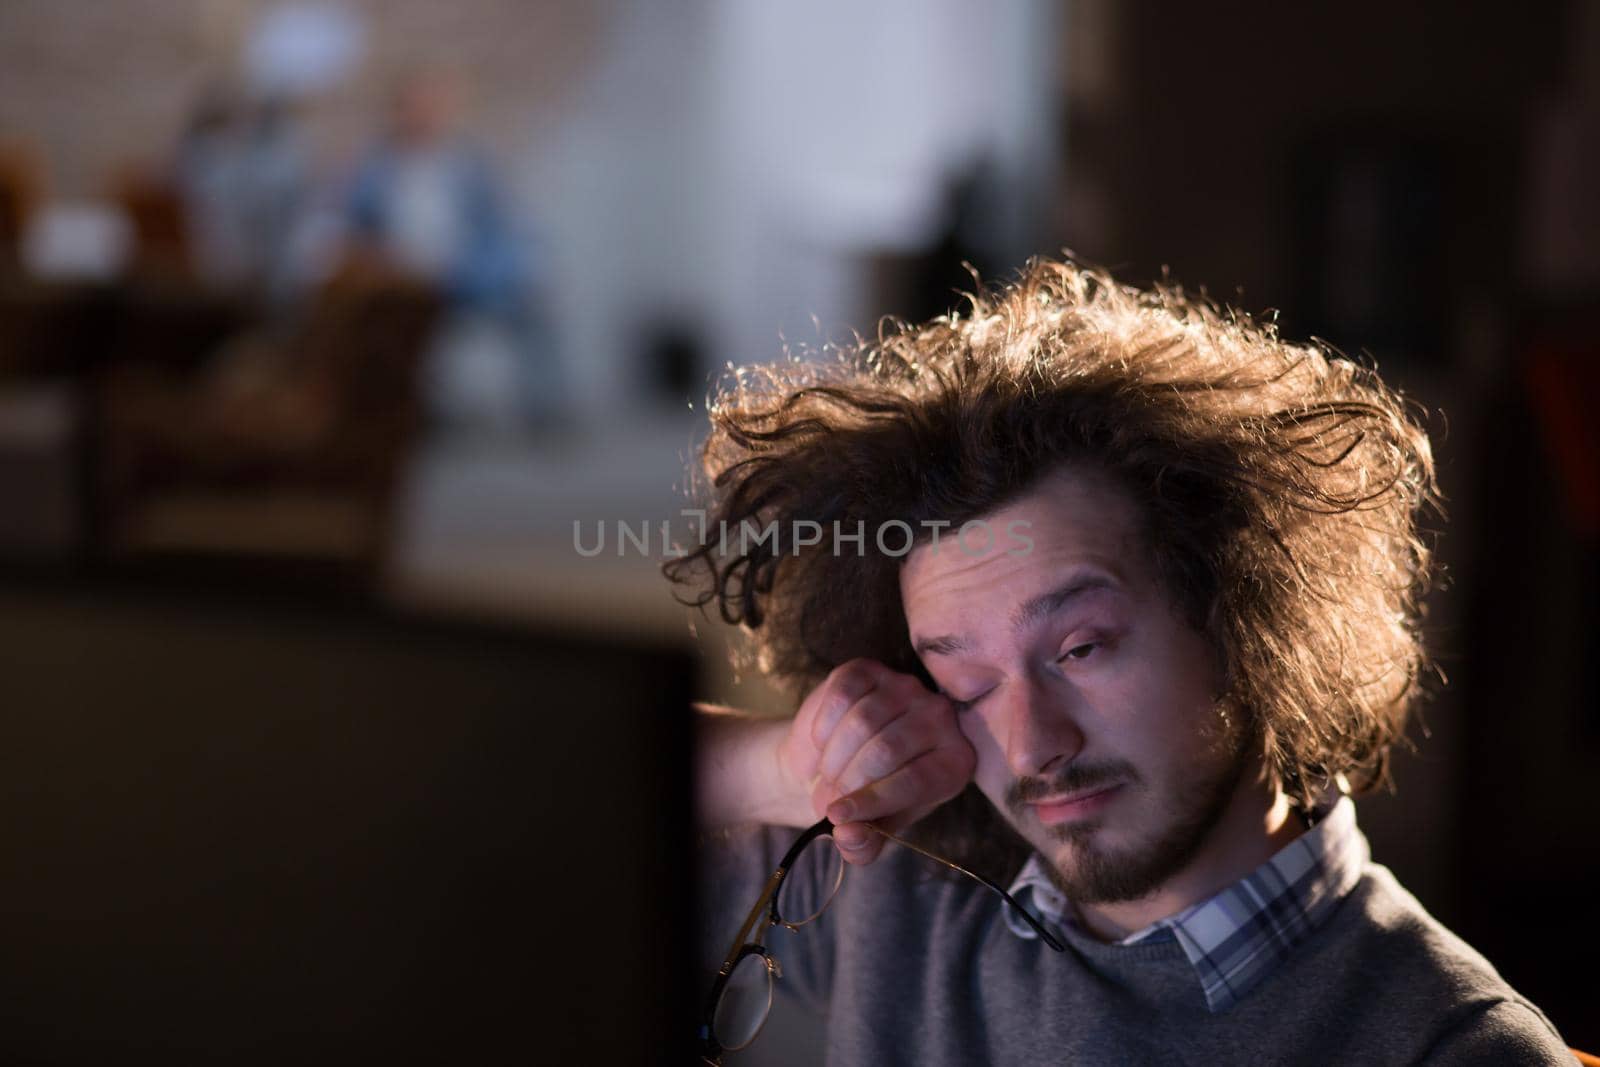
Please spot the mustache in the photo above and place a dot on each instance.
(1073, 778)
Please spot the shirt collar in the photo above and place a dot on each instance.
(1237, 937)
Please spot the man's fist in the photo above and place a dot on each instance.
(875, 745)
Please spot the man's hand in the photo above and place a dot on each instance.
(872, 744)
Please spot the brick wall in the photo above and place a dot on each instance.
(92, 85)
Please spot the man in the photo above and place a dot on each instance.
(1112, 596)
(427, 201)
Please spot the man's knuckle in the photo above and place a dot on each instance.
(818, 734)
(884, 710)
(853, 733)
(880, 756)
(911, 689)
(854, 674)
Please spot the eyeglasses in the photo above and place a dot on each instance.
(741, 996)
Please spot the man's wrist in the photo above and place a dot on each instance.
(742, 776)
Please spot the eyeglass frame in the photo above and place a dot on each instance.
(746, 943)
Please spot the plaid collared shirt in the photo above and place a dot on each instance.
(1237, 937)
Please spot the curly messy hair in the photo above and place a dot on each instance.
(1279, 486)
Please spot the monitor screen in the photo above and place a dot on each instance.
(253, 830)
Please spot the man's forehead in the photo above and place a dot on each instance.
(1069, 519)
(1022, 583)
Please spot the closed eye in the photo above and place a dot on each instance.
(964, 705)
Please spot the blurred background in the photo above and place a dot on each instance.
(326, 327)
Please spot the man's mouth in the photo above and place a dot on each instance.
(1053, 811)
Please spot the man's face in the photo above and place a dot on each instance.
(1091, 703)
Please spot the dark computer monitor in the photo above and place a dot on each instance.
(254, 830)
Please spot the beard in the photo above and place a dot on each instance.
(1089, 872)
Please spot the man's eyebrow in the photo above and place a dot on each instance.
(942, 646)
(1046, 604)
(1036, 608)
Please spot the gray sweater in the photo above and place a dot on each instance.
(910, 967)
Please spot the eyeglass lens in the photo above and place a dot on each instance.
(745, 1002)
(811, 883)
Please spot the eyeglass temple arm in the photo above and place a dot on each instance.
(750, 921)
(1038, 927)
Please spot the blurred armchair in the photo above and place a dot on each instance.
(19, 193)
(49, 333)
(285, 449)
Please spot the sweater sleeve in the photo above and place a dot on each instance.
(1505, 1031)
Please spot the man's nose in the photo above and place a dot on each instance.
(1041, 733)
